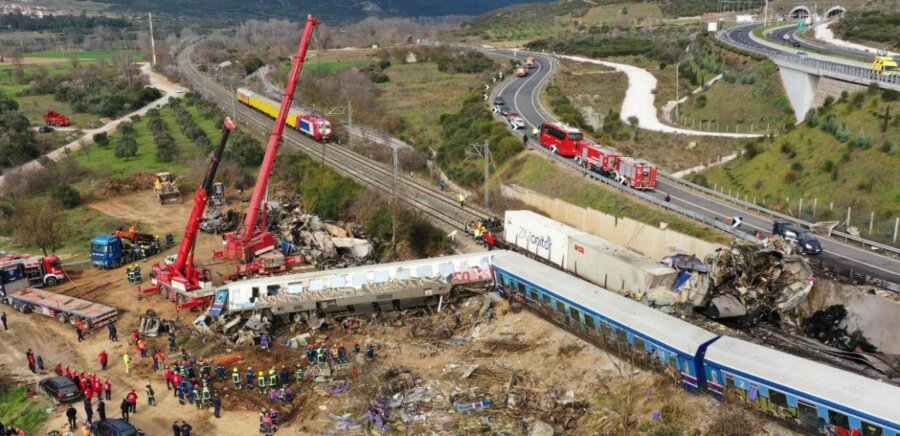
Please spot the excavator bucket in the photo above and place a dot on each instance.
(166, 189)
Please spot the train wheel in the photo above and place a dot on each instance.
(61, 317)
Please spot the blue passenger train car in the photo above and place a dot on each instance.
(603, 315)
(800, 390)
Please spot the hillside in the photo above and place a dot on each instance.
(847, 155)
(537, 20)
(877, 25)
(332, 11)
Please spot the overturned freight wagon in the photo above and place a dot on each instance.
(347, 291)
(616, 268)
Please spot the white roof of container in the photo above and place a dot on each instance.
(879, 399)
(650, 322)
(537, 218)
(625, 255)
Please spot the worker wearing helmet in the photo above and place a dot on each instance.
(261, 382)
(249, 375)
(273, 378)
(236, 378)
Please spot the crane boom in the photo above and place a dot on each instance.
(251, 227)
(200, 198)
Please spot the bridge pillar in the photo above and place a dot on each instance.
(800, 88)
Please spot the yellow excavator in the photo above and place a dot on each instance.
(166, 189)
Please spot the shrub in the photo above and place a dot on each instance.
(843, 135)
(101, 139)
(828, 166)
(66, 195)
(380, 78)
(887, 147)
(830, 125)
(797, 166)
(828, 101)
(700, 102)
(812, 118)
(788, 149)
(862, 141)
(752, 149)
(859, 98)
(126, 146)
(791, 176)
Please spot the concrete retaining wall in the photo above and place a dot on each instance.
(651, 241)
(833, 88)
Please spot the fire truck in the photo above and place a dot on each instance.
(638, 174)
(562, 140)
(18, 271)
(599, 160)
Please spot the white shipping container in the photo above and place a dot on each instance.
(614, 267)
(537, 234)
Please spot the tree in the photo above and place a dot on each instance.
(101, 139)
(67, 196)
(126, 146)
(248, 151)
(41, 224)
(252, 65)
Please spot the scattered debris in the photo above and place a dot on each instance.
(755, 283)
(217, 221)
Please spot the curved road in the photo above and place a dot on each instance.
(523, 95)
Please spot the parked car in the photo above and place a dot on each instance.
(61, 389)
(796, 43)
(806, 241)
(516, 123)
(504, 111)
(113, 427)
(499, 101)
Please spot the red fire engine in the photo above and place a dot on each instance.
(598, 159)
(638, 174)
(31, 271)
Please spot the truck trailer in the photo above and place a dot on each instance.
(62, 307)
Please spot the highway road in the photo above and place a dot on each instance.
(523, 95)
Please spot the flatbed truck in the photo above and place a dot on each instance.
(62, 307)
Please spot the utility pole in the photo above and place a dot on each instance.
(766, 14)
(350, 114)
(152, 41)
(677, 100)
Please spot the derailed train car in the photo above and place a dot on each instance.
(356, 290)
(808, 394)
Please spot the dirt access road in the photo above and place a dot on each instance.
(158, 81)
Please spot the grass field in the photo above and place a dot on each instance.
(636, 13)
(85, 55)
(541, 175)
(812, 164)
(105, 163)
(76, 5)
(20, 411)
(420, 93)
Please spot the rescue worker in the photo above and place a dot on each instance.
(321, 355)
(104, 359)
(179, 391)
(206, 395)
(525, 139)
(171, 342)
(196, 397)
(167, 374)
(236, 378)
(462, 199)
(217, 405)
(273, 413)
(132, 400)
(334, 353)
(220, 371)
(189, 392)
(141, 347)
(298, 373)
(40, 364)
(205, 370)
(71, 413)
(342, 354)
(107, 388)
(59, 369)
(101, 409)
(281, 395)
(151, 400)
(125, 408)
(356, 348)
(127, 360)
(264, 341)
(370, 352)
(273, 378)
(249, 375)
(261, 382)
(285, 376)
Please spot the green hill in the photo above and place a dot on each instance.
(846, 154)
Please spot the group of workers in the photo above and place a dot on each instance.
(482, 232)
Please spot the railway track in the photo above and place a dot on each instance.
(414, 192)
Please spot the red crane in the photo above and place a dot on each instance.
(179, 280)
(252, 239)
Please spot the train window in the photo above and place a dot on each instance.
(604, 328)
(714, 376)
(561, 307)
(869, 429)
(778, 398)
(838, 419)
(589, 321)
(530, 293)
(808, 415)
(254, 295)
(729, 381)
(522, 288)
(273, 290)
(574, 314)
(638, 343)
(673, 360)
(546, 299)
